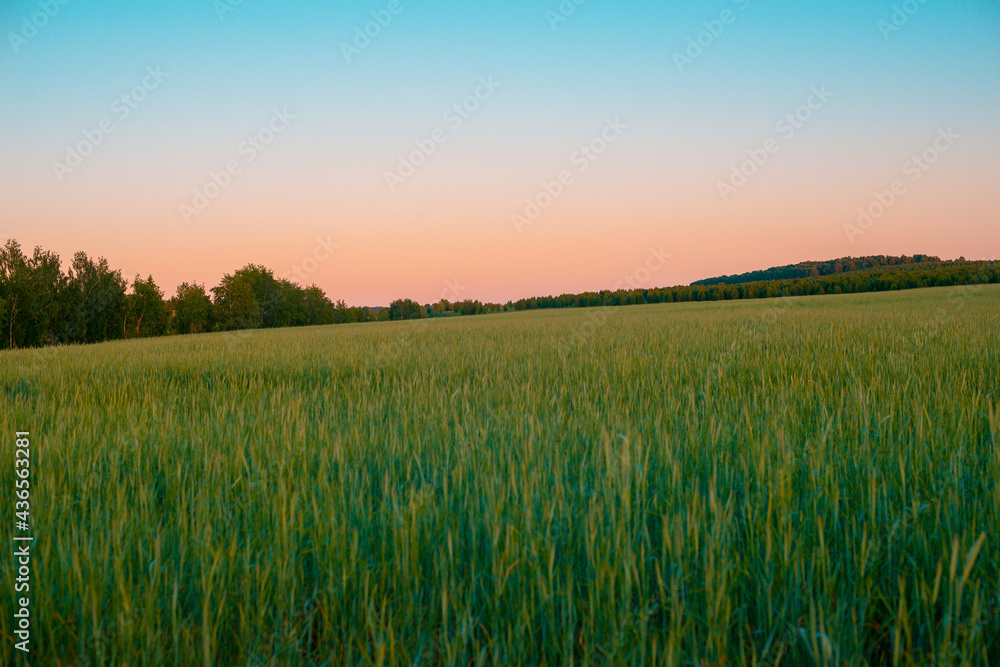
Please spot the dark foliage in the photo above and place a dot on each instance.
(816, 269)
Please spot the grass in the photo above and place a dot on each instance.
(806, 480)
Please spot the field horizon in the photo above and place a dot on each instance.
(43, 304)
(739, 481)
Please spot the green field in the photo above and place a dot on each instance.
(805, 480)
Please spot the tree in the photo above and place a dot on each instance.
(49, 290)
(290, 310)
(266, 291)
(147, 312)
(319, 309)
(15, 292)
(41, 305)
(235, 304)
(406, 309)
(192, 309)
(95, 301)
(342, 314)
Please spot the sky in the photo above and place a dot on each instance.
(431, 149)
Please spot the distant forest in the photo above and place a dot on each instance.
(817, 269)
(40, 304)
(899, 276)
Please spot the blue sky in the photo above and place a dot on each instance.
(558, 83)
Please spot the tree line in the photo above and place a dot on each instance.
(884, 279)
(816, 269)
(89, 302)
(40, 304)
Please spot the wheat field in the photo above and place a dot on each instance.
(793, 481)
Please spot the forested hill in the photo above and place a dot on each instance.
(817, 269)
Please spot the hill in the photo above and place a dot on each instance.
(817, 269)
(930, 273)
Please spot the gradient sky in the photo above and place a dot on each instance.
(448, 229)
